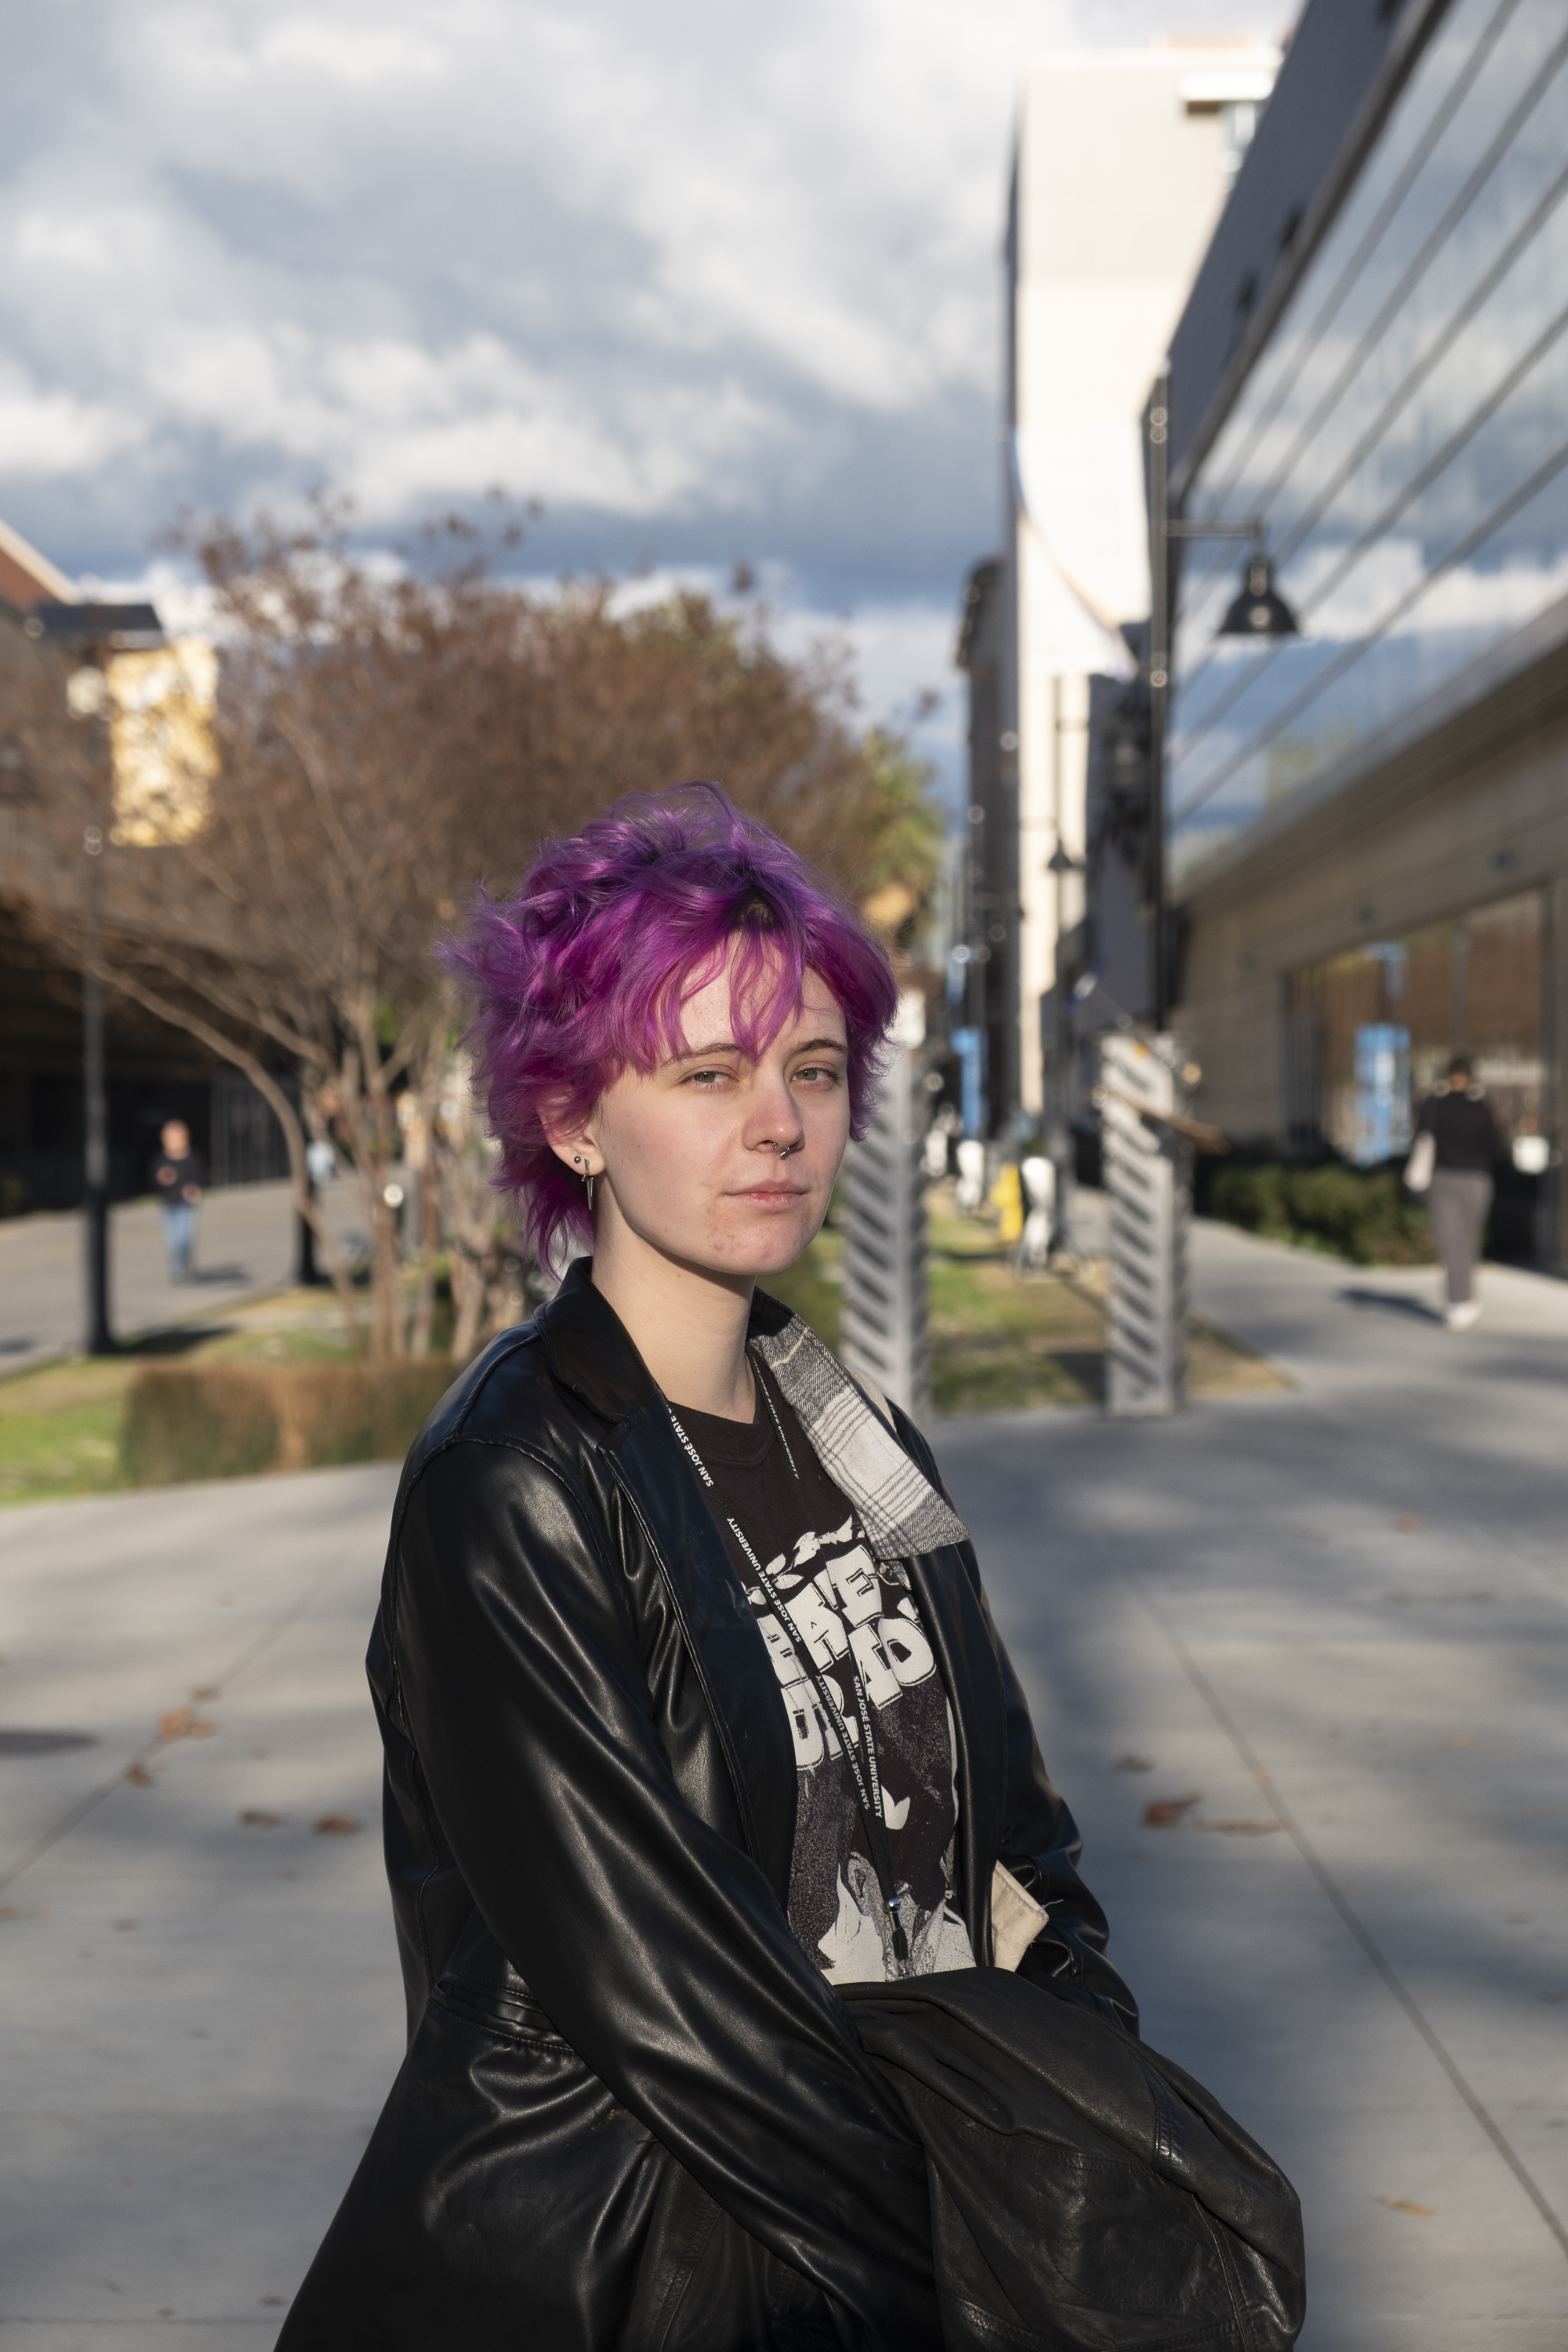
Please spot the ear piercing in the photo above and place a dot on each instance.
(587, 1179)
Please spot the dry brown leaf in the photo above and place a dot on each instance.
(1166, 1812)
(176, 1723)
(20, 1911)
(253, 1817)
(1242, 1829)
(1407, 1524)
(200, 1729)
(138, 1776)
(1404, 2205)
(205, 1690)
(336, 1825)
(1135, 1763)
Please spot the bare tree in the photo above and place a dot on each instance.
(381, 738)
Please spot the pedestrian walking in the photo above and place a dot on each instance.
(178, 1177)
(1456, 1148)
(696, 1722)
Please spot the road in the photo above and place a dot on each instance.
(246, 1244)
(1334, 1620)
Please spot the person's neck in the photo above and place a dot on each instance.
(688, 1324)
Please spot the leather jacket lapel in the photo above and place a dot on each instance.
(592, 1354)
(956, 1629)
(722, 1633)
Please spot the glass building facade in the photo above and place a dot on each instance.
(1370, 1032)
(1404, 438)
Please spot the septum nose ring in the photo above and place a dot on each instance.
(784, 1149)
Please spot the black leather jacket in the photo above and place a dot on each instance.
(617, 2047)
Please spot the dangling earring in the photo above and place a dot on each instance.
(588, 1179)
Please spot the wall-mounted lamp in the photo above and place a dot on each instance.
(1259, 611)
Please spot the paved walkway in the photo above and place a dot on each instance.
(246, 1242)
(1334, 1620)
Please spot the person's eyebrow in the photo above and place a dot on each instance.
(728, 1045)
(695, 1053)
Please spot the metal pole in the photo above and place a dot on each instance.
(95, 1193)
(1159, 683)
(308, 1274)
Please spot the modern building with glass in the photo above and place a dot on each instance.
(1368, 821)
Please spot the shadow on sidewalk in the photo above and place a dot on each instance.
(1390, 1302)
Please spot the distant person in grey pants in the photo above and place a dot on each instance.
(1466, 1146)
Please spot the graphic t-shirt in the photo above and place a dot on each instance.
(846, 1604)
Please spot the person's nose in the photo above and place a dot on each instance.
(775, 1124)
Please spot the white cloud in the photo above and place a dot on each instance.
(709, 279)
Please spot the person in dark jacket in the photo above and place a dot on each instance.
(177, 1178)
(692, 1705)
(1466, 1147)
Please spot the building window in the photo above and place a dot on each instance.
(1370, 1032)
(1404, 436)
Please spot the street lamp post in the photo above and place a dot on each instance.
(95, 1172)
(1259, 612)
(93, 631)
(1158, 680)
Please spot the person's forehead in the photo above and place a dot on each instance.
(707, 1012)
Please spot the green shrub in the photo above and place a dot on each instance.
(1361, 1213)
(231, 1420)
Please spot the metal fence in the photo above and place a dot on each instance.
(247, 1146)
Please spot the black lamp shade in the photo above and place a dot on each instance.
(1259, 611)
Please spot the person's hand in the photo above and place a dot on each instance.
(193, 1193)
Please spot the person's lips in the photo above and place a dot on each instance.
(775, 1194)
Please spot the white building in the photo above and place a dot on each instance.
(1123, 162)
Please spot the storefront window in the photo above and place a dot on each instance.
(1372, 1032)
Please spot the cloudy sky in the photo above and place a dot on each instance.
(710, 280)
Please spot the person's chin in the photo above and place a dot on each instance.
(768, 1242)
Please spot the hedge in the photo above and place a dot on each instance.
(1361, 1213)
(233, 1420)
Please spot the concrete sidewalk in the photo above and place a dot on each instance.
(1330, 1629)
(1334, 1620)
(246, 1244)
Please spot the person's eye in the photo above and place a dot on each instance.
(707, 1082)
(817, 1073)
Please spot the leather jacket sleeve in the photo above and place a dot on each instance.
(655, 1944)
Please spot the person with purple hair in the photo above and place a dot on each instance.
(694, 1713)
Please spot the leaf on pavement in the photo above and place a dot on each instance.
(1407, 1527)
(138, 1777)
(336, 1825)
(1242, 1829)
(1166, 1812)
(184, 1723)
(253, 1817)
(205, 1690)
(1132, 1762)
(1404, 2205)
(20, 1911)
